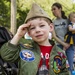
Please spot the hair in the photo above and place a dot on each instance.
(58, 5)
(44, 18)
(70, 15)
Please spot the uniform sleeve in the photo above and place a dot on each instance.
(10, 52)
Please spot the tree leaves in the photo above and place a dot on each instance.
(23, 7)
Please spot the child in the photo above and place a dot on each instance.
(70, 36)
(70, 39)
(38, 56)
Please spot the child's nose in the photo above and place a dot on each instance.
(37, 29)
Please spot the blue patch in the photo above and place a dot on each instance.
(27, 55)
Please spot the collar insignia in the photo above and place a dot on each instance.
(28, 45)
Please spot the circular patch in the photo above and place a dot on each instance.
(27, 55)
(57, 64)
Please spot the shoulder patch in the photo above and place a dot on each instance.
(27, 55)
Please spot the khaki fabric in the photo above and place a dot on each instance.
(36, 11)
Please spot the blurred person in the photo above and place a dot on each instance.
(70, 35)
(61, 28)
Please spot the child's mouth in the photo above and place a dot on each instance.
(39, 36)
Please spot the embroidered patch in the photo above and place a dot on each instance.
(27, 55)
(57, 63)
(62, 54)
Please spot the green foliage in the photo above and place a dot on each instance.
(23, 7)
(4, 13)
(21, 15)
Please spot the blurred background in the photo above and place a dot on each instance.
(14, 12)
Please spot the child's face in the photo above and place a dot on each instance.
(39, 30)
(72, 18)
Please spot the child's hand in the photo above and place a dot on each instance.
(22, 30)
(66, 46)
(20, 33)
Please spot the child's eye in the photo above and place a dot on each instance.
(42, 25)
(32, 28)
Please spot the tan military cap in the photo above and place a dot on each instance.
(36, 11)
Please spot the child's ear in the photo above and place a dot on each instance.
(51, 27)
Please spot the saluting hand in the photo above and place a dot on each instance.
(22, 30)
(20, 33)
